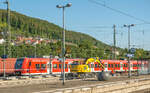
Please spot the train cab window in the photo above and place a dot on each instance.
(55, 66)
(43, 66)
(37, 66)
(19, 63)
(59, 66)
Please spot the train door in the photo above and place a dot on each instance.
(117, 66)
(49, 66)
(66, 67)
(131, 66)
(106, 66)
(121, 66)
(92, 67)
(96, 67)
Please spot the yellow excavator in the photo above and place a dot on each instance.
(83, 67)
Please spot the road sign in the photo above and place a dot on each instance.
(130, 55)
(132, 50)
(4, 56)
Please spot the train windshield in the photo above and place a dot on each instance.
(18, 64)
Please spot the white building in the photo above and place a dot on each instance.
(2, 41)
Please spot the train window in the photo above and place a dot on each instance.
(118, 65)
(95, 65)
(92, 65)
(60, 66)
(139, 65)
(105, 65)
(109, 65)
(66, 66)
(29, 64)
(112, 65)
(115, 65)
(37, 66)
(125, 65)
(131, 65)
(43, 66)
(69, 65)
(55, 66)
(89, 65)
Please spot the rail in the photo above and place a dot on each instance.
(111, 87)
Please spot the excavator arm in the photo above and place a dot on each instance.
(97, 59)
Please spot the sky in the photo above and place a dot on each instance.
(93, 19)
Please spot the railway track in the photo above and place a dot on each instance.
(110, 87)
(42, 85)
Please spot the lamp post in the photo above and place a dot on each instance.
(63, 40)
(8, 32)
(129, 65)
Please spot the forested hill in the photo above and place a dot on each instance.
(25, 26)
(28, 26)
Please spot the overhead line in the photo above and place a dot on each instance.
(123, 13)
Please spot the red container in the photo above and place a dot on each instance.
(9, 65)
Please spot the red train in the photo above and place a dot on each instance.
(9, 65)
(39, 66)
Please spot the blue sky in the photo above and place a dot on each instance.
(95, 20)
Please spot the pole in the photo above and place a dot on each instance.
(4, 75)
(137, 67)
(129, 65)
(50, 65)
(35, 51)
(8, 30)
(114, 54)
(63, 51)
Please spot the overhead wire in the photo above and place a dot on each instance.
(119, 11)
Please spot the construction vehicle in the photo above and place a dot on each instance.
(86, 68)
(82, 67)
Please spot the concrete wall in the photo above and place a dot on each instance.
(112, 87)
